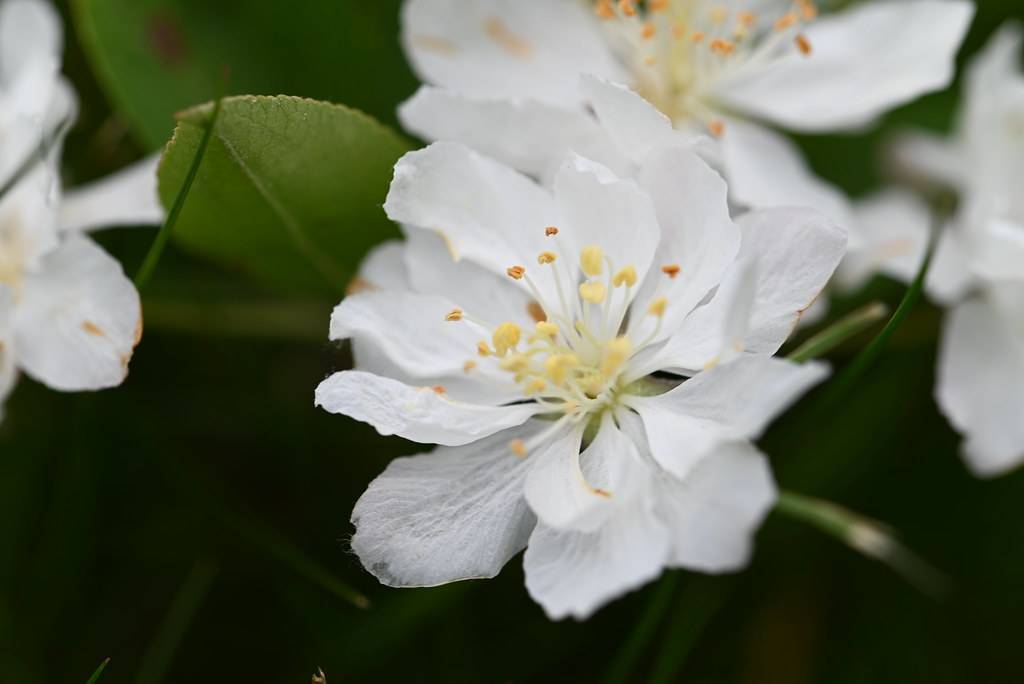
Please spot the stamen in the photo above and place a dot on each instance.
(808, 9)
(438, 389)
(803, 44)
(657, 5)
(483, 349)
(551, 231)
(593, 291)
(697, 36)
(592, 260)
(647, 31)
(627, 8)
(657, 307)
(557, 367)
(518, 447)
(616, 353)
(454, 315)
(723, 47)
(506, 336)
(546, 329)
(535, 386)
(625, 276)
(468, 366)
(515, 272)
(717, 128)
(787, 20)
(536, 311)
(546, 258)
(671, 270)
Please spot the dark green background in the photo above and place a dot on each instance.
(161, 524)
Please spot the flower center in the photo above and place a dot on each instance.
(576, 358)
(677, 50)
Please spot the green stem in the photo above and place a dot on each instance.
(160, 242)
(99, 670)
(831, 337)
(623, 668)
(186, 603)
(865, 536)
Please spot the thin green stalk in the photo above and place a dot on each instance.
(870, 354)
(865, 536)
(160, 242)
(831, 337)
(99, 670)
(279, 547)
(156, 661)
(694, 610)
(623, 667)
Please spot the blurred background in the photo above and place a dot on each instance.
(192, 525)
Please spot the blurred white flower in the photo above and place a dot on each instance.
(981, 365)
(504, 76)
(69, 317)
(593, 359)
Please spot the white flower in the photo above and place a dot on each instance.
(981, 365)
(504, 76)
(543, 341)
(69, 318)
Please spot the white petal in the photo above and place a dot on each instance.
(28, 229)
(597, 208)
(78, 320)
(697, 233)
(930, 158)
(126, 198)
(506, 48)
(419, 414)
(766, 170)
(572, 491)
(998, 250)
(534, 137)
(865, 60)
(796, 251)
(8, 370)
(714, 513)
(635, 126)
(575, 573)
(486, 212)
(29, 30)
(980, 385)
(384, 268)
(891, 232)
(734, 401)
(453, 514)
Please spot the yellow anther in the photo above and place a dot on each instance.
(536, 386)
(671, 270)
(787, 20)
(483, 349)
(616, 353)
(593, 291)
(657, 5)
(551, 231)
(747, 19)
(546, 329)
(546, 258)
(438, 389)
(697, 36)
(657, 307)
(625, 276)
(506, 336)
(517, 447)
(604, 9)
(803, 44)
(515, 272)
(469, 366)
(514, 363)
(592, 260)
(454, 315)
(648, 30)
(717, 128)
(557, 367)
(627, 8)
(723, 47)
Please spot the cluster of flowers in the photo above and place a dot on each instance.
(69, 318)
(605, 246)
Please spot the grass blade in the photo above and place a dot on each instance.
(865, 536)
(623, 668)
(99, 670)
(164, 234)
(831, 337)
(186, 603)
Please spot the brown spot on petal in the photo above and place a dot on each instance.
(503, 36)
(536, 311)
(359, 284)
(93, 329)
(436, 44)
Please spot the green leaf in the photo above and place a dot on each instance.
(99, 671)
(290, 189)
(156, 57)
